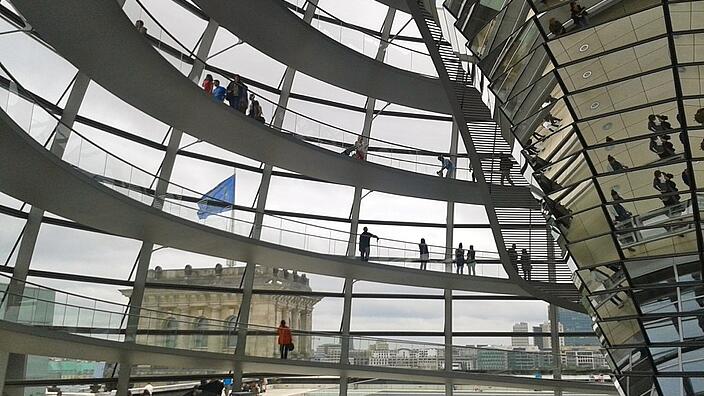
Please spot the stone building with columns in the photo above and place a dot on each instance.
(213, 314)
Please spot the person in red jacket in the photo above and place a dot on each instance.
(208, 84)
(285, 339)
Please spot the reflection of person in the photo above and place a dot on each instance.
(686, 178)
(665, 185)
(615, 165)
(530, 148)
(556, 27)
(622, 214)
(551, 122)
(658, 123)
(559, 211)
(579, 14)
(548, 186)
(661, 146)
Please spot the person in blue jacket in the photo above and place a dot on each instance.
(219, 92)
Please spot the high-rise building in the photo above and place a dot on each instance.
(546, 342)
(520, 341)
(573, 321)
(538, 339)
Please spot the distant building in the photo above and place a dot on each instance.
(577, 322)
(538, 339)
(492, 359)
(529, 360)
(520, 341)
(266, 310)
(584, 358)
(546, 342)
(464, 359)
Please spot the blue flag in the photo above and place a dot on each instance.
(219, 199)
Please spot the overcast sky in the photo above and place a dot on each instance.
(61, 249)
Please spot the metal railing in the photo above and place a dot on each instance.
(136, 183)
(62, 311)
(314, 131)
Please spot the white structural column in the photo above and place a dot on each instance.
(367, 131)
(554, 317)
(555, 343)
(277, 122)
(162, 185)
(12, 365)
(345, 342)
(356, 205)
(449, 236)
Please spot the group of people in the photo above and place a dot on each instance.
(461, 258)
(526, 265)
(470, 259)
(579, 16)
(236, 94)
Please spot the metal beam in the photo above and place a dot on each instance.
(277, 122)
(449, 238)
(356, 205)
(555, 343)
(14, 365)
(162, 185)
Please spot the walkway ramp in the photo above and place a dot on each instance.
(98, 38)
(30, 173)
(18, 338)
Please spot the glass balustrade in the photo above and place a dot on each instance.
(406, 56)
(90, 317)
(322, 134)
(138, 184)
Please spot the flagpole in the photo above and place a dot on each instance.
(231, 226)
